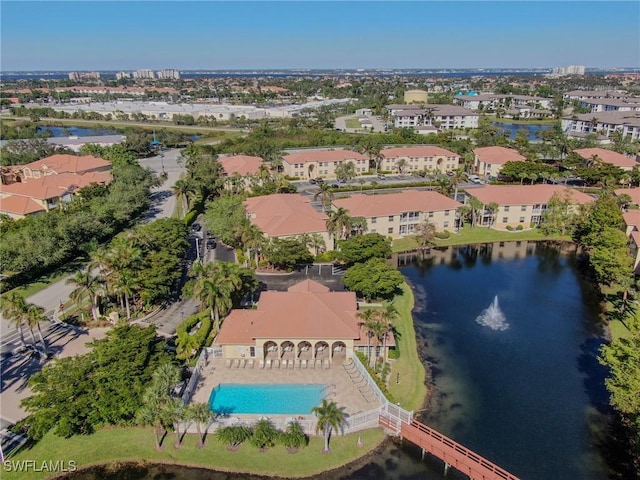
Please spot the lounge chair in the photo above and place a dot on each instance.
(297, 365)
(243, 363)
(276, 363)
(284, 363)
(227, 362)
(251, 362)
(319, 363)
(312, 363)
(303, 363)
(291, 363)
(327, 363)
(236, 363)
(268, 363)
(261, 363)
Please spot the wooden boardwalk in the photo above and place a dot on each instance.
(451, 453)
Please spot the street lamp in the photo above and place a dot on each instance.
(197, 248)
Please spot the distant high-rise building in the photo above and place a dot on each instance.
(569, 70)
(84, 75)
(144, 74)
(169, 73)
(121, 75)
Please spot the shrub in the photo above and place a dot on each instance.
(327, 256)
(533, 225)
(264, 434)
(394, 353)
(510, 228)
(519, 228)
(294, 437)
(443, 235)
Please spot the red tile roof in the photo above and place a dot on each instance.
(52, 186)
(285, 214)
(323, 156)
(634, 193)
(241, 164)
(525, 194)
(307, 310)
(607, 156)
(18, 205)
(498, 155)
(632, 218)
(67, 163)
(417, 151)
(379, 205)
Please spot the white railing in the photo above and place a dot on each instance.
(370, 381)
(195, 376)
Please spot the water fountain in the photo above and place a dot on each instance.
(493, 317)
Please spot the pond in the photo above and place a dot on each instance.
(512, 129)
(527, 393)
(76, 131)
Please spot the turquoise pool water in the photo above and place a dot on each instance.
(230, 398)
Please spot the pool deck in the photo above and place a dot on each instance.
(346, 391)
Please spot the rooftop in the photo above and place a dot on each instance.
(498, 155)
(240, 164)
(526, 194)
(607, 156)
(323, 156)
(379, 205)
(285, 214)
(417, 151)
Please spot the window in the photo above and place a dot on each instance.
(523, 208)
(430, 214)
(390, 230)
(446, 213)
(445, 224)
(390, 219)
(252, 351)
(374, 219)
(505, 219)
(506, 208)
(521, 220)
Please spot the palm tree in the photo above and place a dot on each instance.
(185, 345)
(401, 165)
(183, 190)
(316, 242)
(215, 288)
(368, 318)
(387, 316)
(293, 437)
(33, 316)
(201, 414)
(264, 434)
(126, 284)
(13, 308)
(175, 414)
(455, 179)
(339, 223)
(359, 225)
(325, 194)
(233, 436)
(330, 417)
(87, 284)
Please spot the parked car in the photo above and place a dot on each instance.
(319, 180)
(381, 176)
(335, 185)
(312, 181)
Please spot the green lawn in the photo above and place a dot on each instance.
(352, 123)
(411, 390)
(48, 279)
(467, 236)
(137, 445)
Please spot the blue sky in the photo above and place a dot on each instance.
(95, 35)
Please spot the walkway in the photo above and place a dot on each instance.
(451, 453)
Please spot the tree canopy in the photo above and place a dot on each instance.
(360, 248)
(375, 279)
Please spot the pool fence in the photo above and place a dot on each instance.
(353, 423)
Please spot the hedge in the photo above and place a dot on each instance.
(202, 334)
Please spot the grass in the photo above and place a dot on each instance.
(352, 123)
(137, 445)
(48, 279)
(411, 390)
(618, 330)
(468, 236)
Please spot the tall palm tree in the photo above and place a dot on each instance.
(368, 318)
(401, 165)
(426, 232)
(126, 285)
(387, 316)
(215, 287)
(339, 223)
(184, 191)
(185, 345)
(359, 225)
(325, 194)
(330, 417)
(317, 243)
(201, 414)
(13, 308)
(87, 284)
(33, 316)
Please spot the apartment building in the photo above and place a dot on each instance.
(488, 161)
(45, 184)
(322, 163)
(625, 122)
(627, 104)
(287, 215)
(417, 158)
(593, 94)
(399, 214)
(607, 156)
(240, 164)
(492, 101)
(522, 205)
(444, 117)
(632, 223)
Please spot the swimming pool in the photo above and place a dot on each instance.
(229, 398)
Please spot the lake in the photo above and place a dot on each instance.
(76, 131)
(512, 129)
(528, 397)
